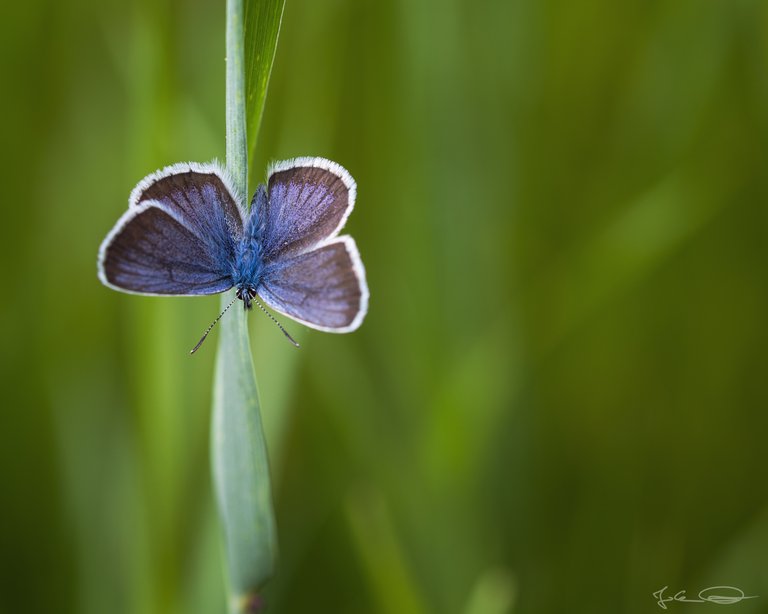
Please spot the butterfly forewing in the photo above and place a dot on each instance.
(199, 195)
(309, 200)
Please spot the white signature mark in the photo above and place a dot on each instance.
(722, 595)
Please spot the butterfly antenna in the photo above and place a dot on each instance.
(208, 330)
(280, 326)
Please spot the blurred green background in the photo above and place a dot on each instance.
(558, 399)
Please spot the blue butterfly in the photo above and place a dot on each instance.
(186, 234)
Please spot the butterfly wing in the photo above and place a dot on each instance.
(324, 288)
(201, 196)
(308, 201)
(310, 274)
(178, 236)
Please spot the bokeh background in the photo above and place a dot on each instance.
(558, 399)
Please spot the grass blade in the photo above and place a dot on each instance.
(262, 26)
(240, 467)
(238, 447)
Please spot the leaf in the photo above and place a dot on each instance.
(238, 447)
(262, 27)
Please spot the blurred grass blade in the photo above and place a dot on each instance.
(493, 593)
(239, 455)
(382, 554)
(262, 26)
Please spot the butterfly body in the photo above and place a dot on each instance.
(186, 233)
(248, 264)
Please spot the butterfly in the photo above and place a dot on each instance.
(186, 233)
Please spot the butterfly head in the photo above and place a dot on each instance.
(246, 294)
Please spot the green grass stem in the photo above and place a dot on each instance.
(238, 446)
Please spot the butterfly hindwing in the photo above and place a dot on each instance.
(324, 288)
